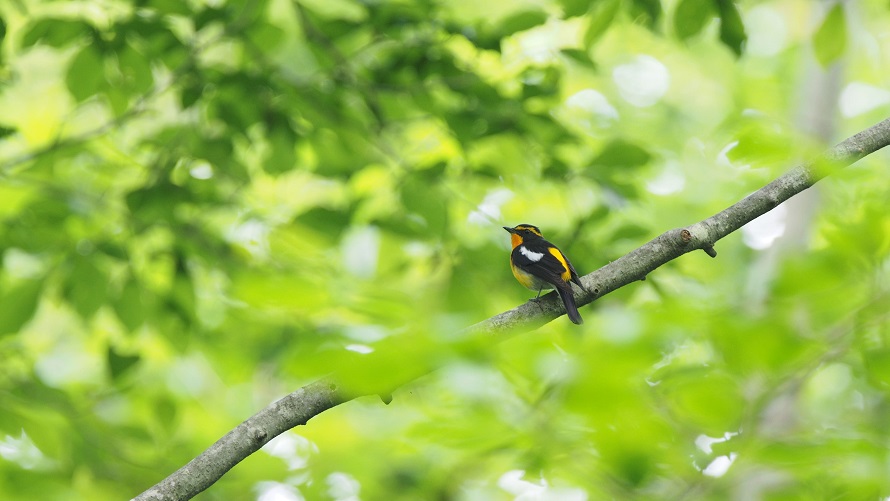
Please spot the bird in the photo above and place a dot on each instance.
(537, 264)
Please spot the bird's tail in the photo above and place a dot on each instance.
(568, 299)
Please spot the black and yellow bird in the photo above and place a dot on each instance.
(538, 265)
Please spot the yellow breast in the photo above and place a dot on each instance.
(528, 280)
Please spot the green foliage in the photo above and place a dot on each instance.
(206, 205)
(691, 16)
(830, 40)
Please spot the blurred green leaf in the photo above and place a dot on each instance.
(521, 21)
(647, 11)
(86, 74)
(830, 40)
(422, 198)
(135, 70)
(579, 56)
(266, 36)
(155, 203)
(707, 399)
(282, 155)
(877, 363)
(182, 295)
(129, 305)
(86, 286)
(56, 32)
(19, 304)
(761, 143)
(622, 154)
(600, 16)
(630, 231)
(572, 8)
(691, 16)
(732, 30)
(191, 93)
(120, 364)
(174, 7)
(166, 412)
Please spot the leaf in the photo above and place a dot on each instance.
(579, 56)
(155, 202)
(129, 306)
(423, 200)
(732, 30)
(572, 8)
(176, 7)
(56, 33)
(282, 155)
(165, 412)
(877, 364)
(208, 16)
(266, 36)
(120, 364)
(218, 151)
(85, 77)
(830, 40)
(760, 143)
(521, 21)
(622, 154)
(629, 231)
(135, 70)
(706, 398)
(182, 295)
(601, 15)
(647, 11)
(19, 304)
(691, 16)
(86, 287)
(118, 99)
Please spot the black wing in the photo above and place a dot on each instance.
(546, 267)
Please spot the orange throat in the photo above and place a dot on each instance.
(515, 239)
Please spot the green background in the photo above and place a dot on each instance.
(205, 205)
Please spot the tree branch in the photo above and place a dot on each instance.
(313, 399)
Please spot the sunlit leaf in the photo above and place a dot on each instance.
(579, 56)
(86, 74)
(521, 21)
(691, 16)
(572, 8)
(622, 154)
(600, 17)
(19, 304)
(55, 32)
(86, 286)
(135, 70)
(830, 40)
(155, 202)
(129, 305)
(282, 155)
(706, 399)
(647, 11)
(168, 7)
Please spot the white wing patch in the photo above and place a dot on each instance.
(531, 255)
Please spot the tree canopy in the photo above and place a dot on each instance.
(206, 205)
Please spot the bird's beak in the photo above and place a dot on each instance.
(511, 230)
